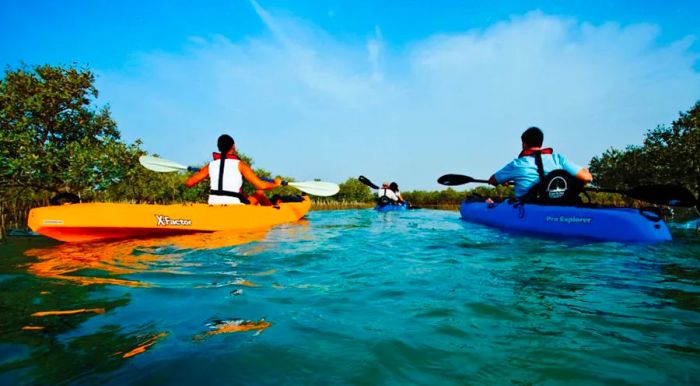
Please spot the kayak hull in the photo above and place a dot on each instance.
(604, 224)
(109, 221)
(391, 208)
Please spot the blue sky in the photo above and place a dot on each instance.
(402, 90)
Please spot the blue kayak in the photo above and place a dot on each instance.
(598, 223)
(391, 207)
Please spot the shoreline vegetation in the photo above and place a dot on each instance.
(55, 139)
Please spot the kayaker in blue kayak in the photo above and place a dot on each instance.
(535, 164)
(226, 174)
(387, 196)
(395, 188)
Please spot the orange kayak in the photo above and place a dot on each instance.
(106, 221)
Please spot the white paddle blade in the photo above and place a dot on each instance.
(317, 188)
(160, 165)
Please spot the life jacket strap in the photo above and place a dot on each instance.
(242, 197)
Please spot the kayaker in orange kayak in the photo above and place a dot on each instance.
(537, 172)
(226, 173)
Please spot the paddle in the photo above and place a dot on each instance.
(315, 188)
(367, 182)
(672, 195)
(163, 165)
(457, 179)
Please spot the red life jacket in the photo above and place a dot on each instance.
(228, 156)
(530, 152)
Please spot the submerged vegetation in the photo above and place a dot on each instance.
(56, 139)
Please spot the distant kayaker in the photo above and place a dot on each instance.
(226, 173)
(395, 188)
(386, 194)
(535, 163)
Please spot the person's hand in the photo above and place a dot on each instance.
(492, 180)
(278, 181)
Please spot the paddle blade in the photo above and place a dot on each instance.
(316, 188)
(367, 182)
(160, 165)
(454, 179)
(671, 195)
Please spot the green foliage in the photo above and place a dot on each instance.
(352, 190)
(669, 155)
(452, 197)
(52, 138)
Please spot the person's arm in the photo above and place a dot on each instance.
(584, 175)
(575, 170)
(259, 184)
(198, 177)
(502, 176)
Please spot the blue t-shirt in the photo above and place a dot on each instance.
(523, 171)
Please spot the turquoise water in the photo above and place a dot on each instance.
(352, 297)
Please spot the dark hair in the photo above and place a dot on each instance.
(532, 137)
(225, 143)
(393, 186)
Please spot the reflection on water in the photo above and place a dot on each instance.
(88, 263)
(351, 297)
(142, 347)
(235, 325)
(47, 302)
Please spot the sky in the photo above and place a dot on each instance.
(394, 90)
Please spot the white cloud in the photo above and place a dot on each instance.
(306, 105)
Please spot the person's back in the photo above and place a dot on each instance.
(385, 191)
(226, 173)
(225, 181)
(524, 170)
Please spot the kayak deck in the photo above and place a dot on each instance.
(106, 221)
(603, 224)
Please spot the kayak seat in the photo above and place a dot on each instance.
(384, 200)
(557, 188)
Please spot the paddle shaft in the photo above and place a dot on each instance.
(367, 182)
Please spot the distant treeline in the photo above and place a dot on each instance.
(55, 139)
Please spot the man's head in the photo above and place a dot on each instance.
(225, 143)
(532, 137)
(394, 186)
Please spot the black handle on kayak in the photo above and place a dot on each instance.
(284, 183)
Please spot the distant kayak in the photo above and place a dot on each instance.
(604, 224)
(391, 207)
(107, 221)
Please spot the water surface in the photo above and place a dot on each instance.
(351, 297)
